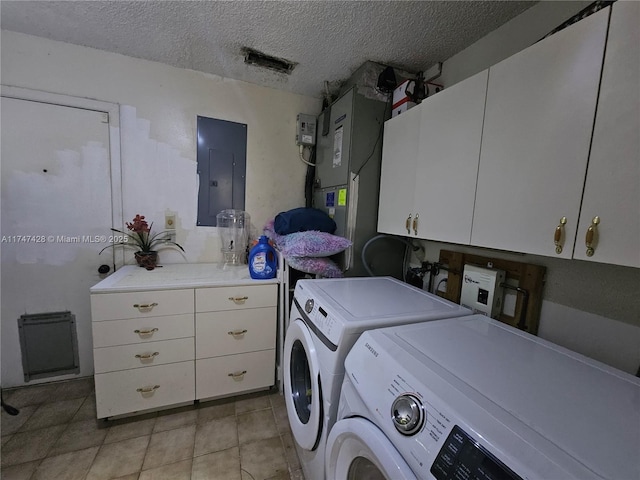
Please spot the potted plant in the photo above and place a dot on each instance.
(147, 244)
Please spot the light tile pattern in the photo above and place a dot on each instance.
(56, 436)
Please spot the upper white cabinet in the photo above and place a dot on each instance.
(612, 189)
(429, 165)
(450, 138)
(539, 118)
(397, 178)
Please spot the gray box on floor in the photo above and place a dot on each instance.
(49, 344)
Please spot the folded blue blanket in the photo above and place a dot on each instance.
(303, 219)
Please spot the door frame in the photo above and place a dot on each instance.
(115, 164)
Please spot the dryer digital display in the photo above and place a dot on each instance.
(462, 457)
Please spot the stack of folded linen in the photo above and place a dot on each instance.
(305, 238)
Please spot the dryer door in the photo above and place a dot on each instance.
(357, 449)
(303, 396)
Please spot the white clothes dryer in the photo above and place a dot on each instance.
(473, 398)
(327, 316)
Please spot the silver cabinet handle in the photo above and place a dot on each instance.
(239, 300)
(237, 376)
(146, 331)
(145, 307)
(147, 356)
(148, 390)
(237, 333)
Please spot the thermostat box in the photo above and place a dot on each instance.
(482, 291)
(401, 102)
(305, 130)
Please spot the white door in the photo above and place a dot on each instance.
(302, 394)
(56, 214)
(357, 449)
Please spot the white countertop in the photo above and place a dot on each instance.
(133, 278)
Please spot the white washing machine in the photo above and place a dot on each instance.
(327, 316)
(473, 398)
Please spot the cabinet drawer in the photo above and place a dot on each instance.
(236, 298)
(126, 357)
(117, 392)
(231, 332)
(215, 376)
(134, 330)
(113, 306)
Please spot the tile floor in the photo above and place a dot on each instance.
(56, 437)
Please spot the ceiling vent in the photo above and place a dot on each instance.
(259, 59)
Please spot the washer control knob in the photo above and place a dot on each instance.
(408, 414)
(308, 306)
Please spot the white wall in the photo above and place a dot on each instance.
(157, 132)
(159, 106)
(587, 307)
(512, 37)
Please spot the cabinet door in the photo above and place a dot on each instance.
(612, 189)
(447, 167)
(397, 178)
(538, 122)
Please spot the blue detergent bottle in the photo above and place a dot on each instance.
(263, 262)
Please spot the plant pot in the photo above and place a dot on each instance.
(148, 260)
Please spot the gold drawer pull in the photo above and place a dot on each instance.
(147, 390)
(237, 376)
(147, 356)
(146, 331)
(407, 224)
(237, 333)
(558, 235)
(591, 240)
(238, 300)
(415, 224)
(145, 307)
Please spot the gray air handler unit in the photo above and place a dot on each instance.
(347, 178)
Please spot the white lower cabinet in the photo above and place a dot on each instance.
(152, 350)
(140, 389)
(141, 330)
(221, 376)
(236, 341)
(228, 333)
(125, 357)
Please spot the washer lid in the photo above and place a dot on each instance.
(589, 410)
(373, 297)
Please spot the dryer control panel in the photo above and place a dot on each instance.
(463, 457)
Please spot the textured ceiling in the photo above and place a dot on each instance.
(329, 40)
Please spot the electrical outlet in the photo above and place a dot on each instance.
(170, 221)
